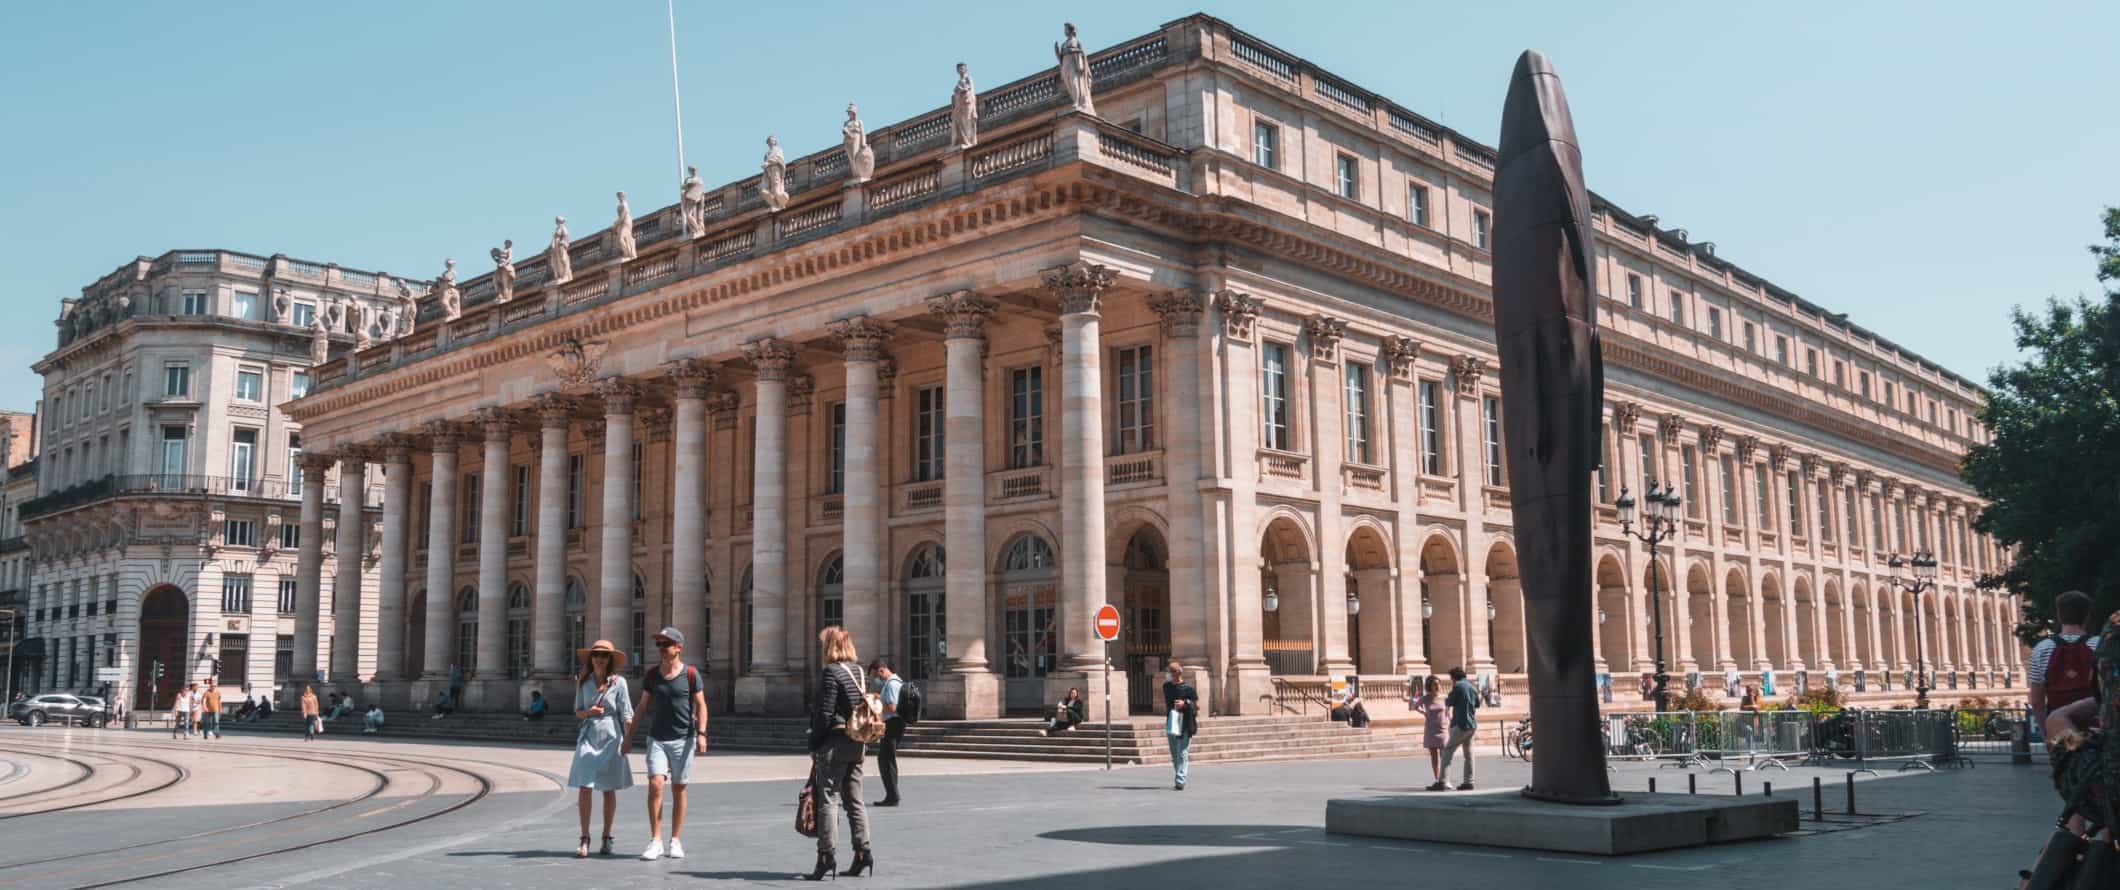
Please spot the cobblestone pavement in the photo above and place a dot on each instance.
(86, 808)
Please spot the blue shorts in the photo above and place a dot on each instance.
(671, 759)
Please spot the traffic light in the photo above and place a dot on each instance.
(158, 668)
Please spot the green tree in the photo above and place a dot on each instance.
(2051, 467)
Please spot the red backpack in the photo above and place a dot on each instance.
(2071, 674)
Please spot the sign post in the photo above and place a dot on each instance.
(1107, 630)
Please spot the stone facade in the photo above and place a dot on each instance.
(164, 527)
(1218, 356)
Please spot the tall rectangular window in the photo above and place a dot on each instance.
(1634, 291)
(1678, 308)
(1026, 417)
(1795, 496)
(239, 533)
(467, 498)
(302, 315)
(294, 465)
(640, 474)
(1751, 337)
(1273, 394)
(1715, 322)
(519, 524)
(250, 385)
(1491, 436)
(194, 302)
(1417, 204)
(927, 433)
(1349, 185)
(176, 379)
(1862, 383)
(1781, 350)
(291, 536)
(1759, 496)
(1810, 361)
(1825, 513)
(1431, 428)
(242, 459)
(1876, 535)
(1265, 144)
(245, 305)
(1729, 490)
(290, 595)
(574, 490)
(173, 440)
(1688, 490)
(1645, 446)
(1357, 384)
(1604, 463)
(235, 593)
(298, 384)
(1135, 423)
(1482, 223)
(836, 473)
(1840, 374)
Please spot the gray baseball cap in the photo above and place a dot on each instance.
(672, 634)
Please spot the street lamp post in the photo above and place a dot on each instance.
(1658, 523)
(1916, 575)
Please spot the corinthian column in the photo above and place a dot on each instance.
(688, 521)
(441, 554)
(548, 632)
(614, 594)
(390, 597)
(969, 689)
(492, 651)
(766, 683)
(346, 587)
(1191, 621)
(862, 528)
(1077, 287)
(309, 566)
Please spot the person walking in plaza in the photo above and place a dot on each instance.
(675, 705)
(192, 709)
(836, 758)
(1181, 718)
(1463, 701)
(2062, 669)
(210, 708)
(312, 716)
(889, 685)
(179, 716)
(1434, 725)
(604, 709)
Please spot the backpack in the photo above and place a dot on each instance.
(910, 703)
(865, 720)
(2071, 674)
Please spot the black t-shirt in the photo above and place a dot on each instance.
(671, 702)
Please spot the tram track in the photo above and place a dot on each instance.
(87, 770)
(177, 775)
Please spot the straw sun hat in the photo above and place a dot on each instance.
(618, 658)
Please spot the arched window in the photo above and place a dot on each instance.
(640, 622)
(1029, 553)
(518, 631)
(831, 593)
(1029, 604)
(467, 628)
(576, 610)
(743, 619)
(925, 645)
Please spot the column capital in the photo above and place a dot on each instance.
(723, 406)
(690, 376)
(771, 358)
(1813, 465)
(396, 448)
(1838, 473)
(800, 387)
(319, 461)
(1325, 333)
(1240, 312)
(1078, 286)
(1777, 457)
(554, 411)
(1052, 343)
(1400, 353)
(1866, 481)
(619, 395)
(1625, 415)
(860, 337)
(886, 372)
(964, 314)
(1466, 371)
(356, 453)
(1179, 310)
(497, 423)
(655, 425)
(442, 435)
(1711, 436)
(1747, 446)
(1670, 425)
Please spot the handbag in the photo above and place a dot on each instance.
(806, 809)
(2056, 866)
(865, 722)
(1173, 723)
(2096, 870)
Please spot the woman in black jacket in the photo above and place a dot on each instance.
(836, 770)
(1181, 719)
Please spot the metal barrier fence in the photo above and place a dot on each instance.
(1673, 737)
(1988, 732)
(1730, 741)
(1914, 739)
(1749, 740)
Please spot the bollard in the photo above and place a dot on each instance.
(1739, 779)
(1851, 792)
(1770, 788)
(1652, 784)
(1818, 799)
(2021, 743)
(1692, 783)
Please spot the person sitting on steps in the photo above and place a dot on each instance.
(1069, 712)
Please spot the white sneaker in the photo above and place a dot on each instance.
(676, 849)
(654, 850)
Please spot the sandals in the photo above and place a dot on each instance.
(581, 851)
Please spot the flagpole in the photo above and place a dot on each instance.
(677, 109)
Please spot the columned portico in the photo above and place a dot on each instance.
(614, 589)
(309, 567)
(968, 688)
(390, 592)
(766, 686)
(1077, 288)
(346, 593)
(549, 658)
(688, 521)
(441, 558)
(861, 529)
(493, 691)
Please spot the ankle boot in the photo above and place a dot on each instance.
(864, 863)
(827, 866)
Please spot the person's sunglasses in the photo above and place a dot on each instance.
(664, 644)
(599, 655)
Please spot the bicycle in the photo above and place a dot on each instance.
(1517, 741)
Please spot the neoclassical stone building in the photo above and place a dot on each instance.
(1211, 345)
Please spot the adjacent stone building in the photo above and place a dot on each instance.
(1216, 352)
(164, 525)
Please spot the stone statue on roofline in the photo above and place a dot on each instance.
(773, 180)
(557, 261)
(504, 271)
(1074, 70)
(445, 287)
(692, 203)
(319, 340)
(861, 159)
(362, 317)
(622, 230)
(964, 110)
(408, 310)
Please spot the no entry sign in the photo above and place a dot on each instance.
(1107, 622)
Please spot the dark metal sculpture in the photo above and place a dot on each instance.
(1553, 385)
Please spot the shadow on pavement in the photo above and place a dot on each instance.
(1186, 835)
(791, 875)
(523, 854)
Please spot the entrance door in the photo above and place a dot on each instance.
(1027, 632)
(165, 629)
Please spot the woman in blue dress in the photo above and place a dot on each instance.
(604, 709)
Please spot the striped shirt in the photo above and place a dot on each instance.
(2043, 655)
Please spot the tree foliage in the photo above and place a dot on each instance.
(2051, 467)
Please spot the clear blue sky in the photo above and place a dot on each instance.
(1920, 166)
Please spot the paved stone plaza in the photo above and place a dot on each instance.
(358, 812)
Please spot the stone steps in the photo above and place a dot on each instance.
(730, 735)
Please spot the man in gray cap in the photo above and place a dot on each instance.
(673, 703)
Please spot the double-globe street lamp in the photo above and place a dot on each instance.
(1658, 523)
(1916, 575)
